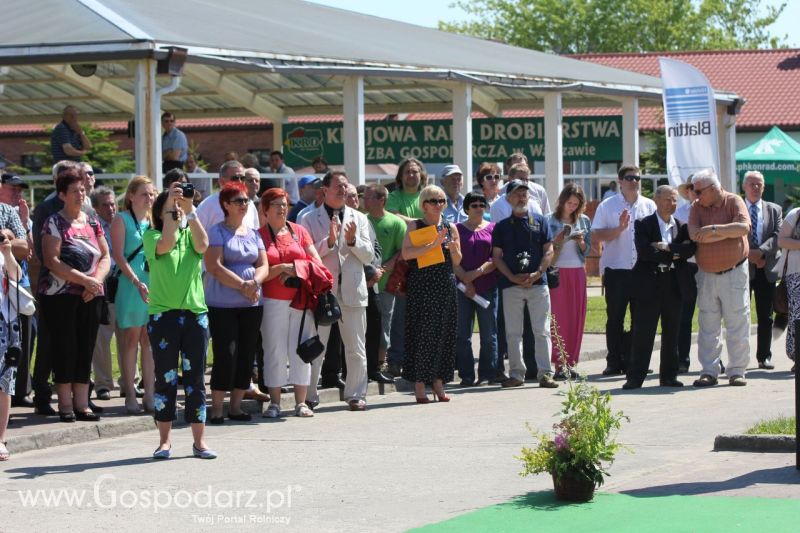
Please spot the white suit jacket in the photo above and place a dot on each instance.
(348, 260)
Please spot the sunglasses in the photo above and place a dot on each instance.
(631, 177)
(698, 192)
(436, 201)
(90, 173)
(236, 177)
(493, 177)
(240, 201)
(477, 206)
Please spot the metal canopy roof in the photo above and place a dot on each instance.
(274, 58)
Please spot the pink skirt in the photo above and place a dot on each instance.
(568, 306)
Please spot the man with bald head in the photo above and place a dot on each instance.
(68, 141)
(719, 224)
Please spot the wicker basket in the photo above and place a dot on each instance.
(572, 488)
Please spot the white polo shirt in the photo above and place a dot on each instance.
(621, 252)
(501, 209)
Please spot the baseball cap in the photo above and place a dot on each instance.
(451, 169)
(13, 179)
(513, 185)
(308, 179)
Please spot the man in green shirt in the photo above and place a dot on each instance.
(404, 201)
(390, 231)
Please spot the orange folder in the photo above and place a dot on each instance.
(421, 237)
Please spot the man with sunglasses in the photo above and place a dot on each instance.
(613, 225)
(209, 212)
(719, 223)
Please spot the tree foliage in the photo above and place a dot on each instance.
(602, 26)
(105, 155)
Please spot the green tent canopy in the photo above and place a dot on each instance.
(777, 157)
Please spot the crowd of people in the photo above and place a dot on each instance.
(401, 274)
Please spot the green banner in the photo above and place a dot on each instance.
(493, 139)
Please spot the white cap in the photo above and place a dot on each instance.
(451, 169)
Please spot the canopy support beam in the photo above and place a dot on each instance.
(353, 130)
(148, 123)
(553, 142)
(462, 132)
(630, 130)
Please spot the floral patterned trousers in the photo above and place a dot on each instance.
(179, 337)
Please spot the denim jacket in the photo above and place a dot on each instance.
(583, 223)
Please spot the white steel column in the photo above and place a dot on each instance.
(553, 153)
(148, 122)
(630, 130)
(462, 132)
(353, 130)
(726, 137)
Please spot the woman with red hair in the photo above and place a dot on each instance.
(236, 265)
(285, 243)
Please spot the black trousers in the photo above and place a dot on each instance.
(374, 332)
(619, 296)
(687, 314)
(765, 294)
(23, 381)
(72, 325)
(666, 305)
(234, 338)
(333, 364)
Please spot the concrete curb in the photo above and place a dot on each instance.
(755, 443)
(59, 434)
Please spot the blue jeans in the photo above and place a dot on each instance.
(397, 346)
(488, 365)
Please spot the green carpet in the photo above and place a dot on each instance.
(539, 511)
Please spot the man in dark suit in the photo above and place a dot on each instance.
(765, 220)
(659, 277)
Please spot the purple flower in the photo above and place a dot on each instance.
(560, 442)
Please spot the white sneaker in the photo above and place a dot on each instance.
(273, 411)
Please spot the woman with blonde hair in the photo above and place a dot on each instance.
(572, 241)
(132, 297)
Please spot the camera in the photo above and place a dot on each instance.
(188, 189)
(524, 261)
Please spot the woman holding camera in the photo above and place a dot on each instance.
(10, 341)
(572, 241)
(75, 262)
(178, 326)
(236, 265)
(127, 230)
(285, 242)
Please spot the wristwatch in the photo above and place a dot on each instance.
(191, 216)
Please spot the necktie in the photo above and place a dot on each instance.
(754, 223)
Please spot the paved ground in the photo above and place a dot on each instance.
(396, 466)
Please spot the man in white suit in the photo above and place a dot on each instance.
(342, 239)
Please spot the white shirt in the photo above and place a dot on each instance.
(608, 194)
(620, 253)
(760, 223)
(538, 194)
(501, 209)
(209, 212)
(668, 229)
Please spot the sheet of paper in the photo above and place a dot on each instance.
(421, 237)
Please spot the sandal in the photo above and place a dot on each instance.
(303, 411)
(5, 455)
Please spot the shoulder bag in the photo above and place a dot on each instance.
(312, 347)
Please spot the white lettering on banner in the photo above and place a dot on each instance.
(489, 151)
(382, 134)
(444, 153)
(379, 152)
(593, 128)
(334, 136)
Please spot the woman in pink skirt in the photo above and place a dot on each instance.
(572, 241)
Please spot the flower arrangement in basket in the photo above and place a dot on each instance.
(582, 443)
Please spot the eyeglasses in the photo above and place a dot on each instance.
(698, 192)
(236, 177)
(631, 177)
(279, 205)
(89, 173)
(477, 206)
(493, 177)
(435, 201)
(240, 201)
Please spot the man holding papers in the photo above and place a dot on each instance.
(522, 249)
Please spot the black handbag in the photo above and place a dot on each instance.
(553, 277)
(328, 311)
(112, 280)
(312, 347)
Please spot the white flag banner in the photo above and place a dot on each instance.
(690, 117)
